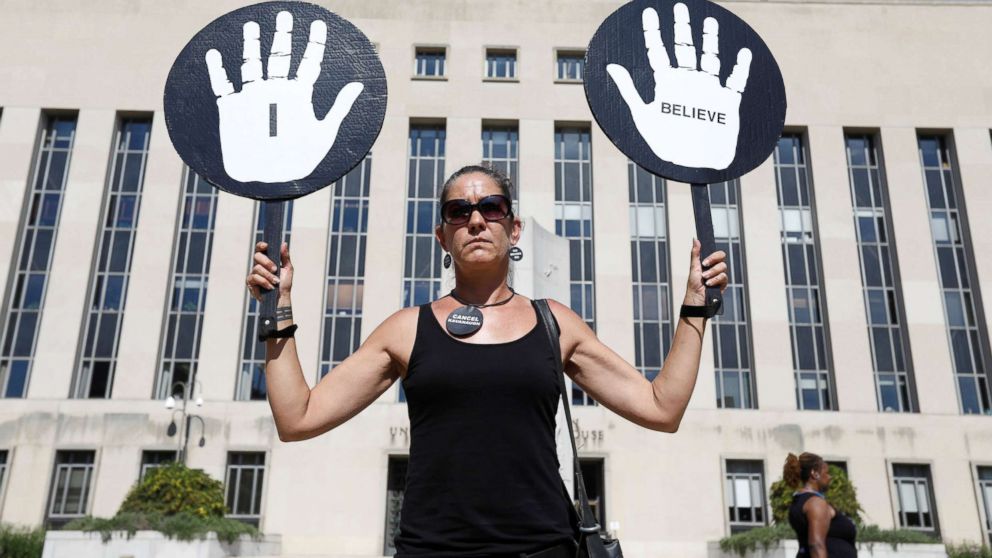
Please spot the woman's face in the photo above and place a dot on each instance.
(478, 242)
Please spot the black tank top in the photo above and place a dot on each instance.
(840, 535)
(483, 475)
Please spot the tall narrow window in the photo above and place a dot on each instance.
(573, 220)
(395, 487)
(94, 375)
(744, 493)
(649, 269)
(882, 292)
(731, 330)
(69, 494)
(985, 488)
(499, 150)
(251, 379)
(188, 289)
(342, 327)
(243, 485)
(914, 496)
(35, 245)
(956, 262)
(800, 255)
(151, 459)
(422, 260)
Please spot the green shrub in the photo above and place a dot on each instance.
(765, 537)
(968, 550)
(174, 488)
(21, 542)
(183, 526)
(841, 494)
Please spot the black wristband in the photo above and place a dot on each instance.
(698, 311)
(288, 331)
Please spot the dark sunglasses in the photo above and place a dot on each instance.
(492, 208)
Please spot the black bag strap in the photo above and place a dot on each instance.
(587, 522)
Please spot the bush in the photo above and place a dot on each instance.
(841, 494)
(21, 542)
(766, 537)
(183, 526)
(968, 550)
(174, 488)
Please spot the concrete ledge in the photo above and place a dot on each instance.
(153, 544)
(788, 549)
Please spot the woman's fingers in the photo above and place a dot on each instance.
(265, 274)
(264, 261)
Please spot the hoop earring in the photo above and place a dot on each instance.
(446, 261)
(516, 254)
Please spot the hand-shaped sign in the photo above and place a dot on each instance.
(268, 130)
(275, 134)
(698, 120)
(280, 126)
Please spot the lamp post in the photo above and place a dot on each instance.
(170, 403)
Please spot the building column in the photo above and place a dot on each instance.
(843, 291)
(221, 329)
(611, 247)
(771, 339)
(151, 268)
(537, 171)
(18, 144)
(918, 268)
(52, 370)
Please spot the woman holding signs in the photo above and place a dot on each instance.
(481, 385)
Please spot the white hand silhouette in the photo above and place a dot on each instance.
(693, 121)
(268, 130)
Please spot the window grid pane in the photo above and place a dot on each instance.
(915, 498)
(800, 254)
(70, 489)
(3, 468)
(243, 483)
(36, 244)
(429, 62)
(731, 330)
(882, 292)
(573, 220)
(501, 64)
(188, 288)
(649, 269)
(745, 495)
(251, 372)
(985, 488)
(94, 374)
(955, 257)
(570, 66)
(499, 151)
(345, 279)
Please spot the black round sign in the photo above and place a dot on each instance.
(686, 89)
(464, 320)
(275, 100)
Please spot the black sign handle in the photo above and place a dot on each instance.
(704, 231)
(272, 235)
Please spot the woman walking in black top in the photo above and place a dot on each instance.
(823, 532)
(481, 386)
